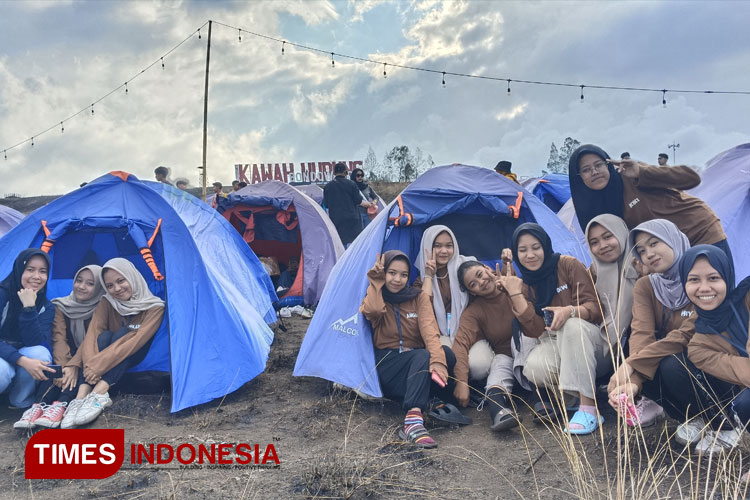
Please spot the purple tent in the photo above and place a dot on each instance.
(9, 218)
(313, 191)
(279, 221)
(726, 189)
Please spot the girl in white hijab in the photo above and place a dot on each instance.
(118, 338)
(439, 245)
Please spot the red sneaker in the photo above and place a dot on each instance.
(30, 416)
(52, 416)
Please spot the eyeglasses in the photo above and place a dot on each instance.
(359, 176)
(587, 171)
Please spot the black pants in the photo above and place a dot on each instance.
(406, 376)
(685, 391)
(48, 393)
(114, 374)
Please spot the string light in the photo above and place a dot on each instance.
(582, 94)
(508, 93)
(239, 35)
(62, 128)
(32, 142)
(126, 87)
(199, 33)
(282, 47)
(92, 110)
(385, 75)
(333, 63)
(162, 63)
(443, 79)
(664, 98)
(5, 153)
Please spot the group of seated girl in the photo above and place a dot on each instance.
(662, 321)
(92, 336)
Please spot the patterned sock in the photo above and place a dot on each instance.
(591, 410)
(414, 426)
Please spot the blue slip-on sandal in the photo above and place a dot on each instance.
(586, 420)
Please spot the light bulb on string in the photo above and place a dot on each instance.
(62, 128)
(333, 63)
(162, 63)
(282, 47)
(385, 75)
(126, 87)
(508, 93)
(664, 98)
(443, 79)
(32, 142)
(199, 33)
(5, 153)
(239, 35)
(92, 110)
(581, 94)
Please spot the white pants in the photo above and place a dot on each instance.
(570, 358)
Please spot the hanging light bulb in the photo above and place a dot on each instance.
(581, 94)
(333, 63)
(92, 110)
(443, 79)
(282, 47)
(199, 33)
(5, 153)
(664, 98)
(385, 75)
(126, 87)
(239, 34)
(32, 142)
(162, 63)
(508, 93)
(62, 128)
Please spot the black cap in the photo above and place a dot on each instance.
(503, 166)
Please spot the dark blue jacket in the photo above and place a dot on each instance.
(34, 328)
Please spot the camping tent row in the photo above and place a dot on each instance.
(481, 208)
(214, 337)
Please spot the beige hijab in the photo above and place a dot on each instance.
(142, 298)
(79, 312)
(615, 280)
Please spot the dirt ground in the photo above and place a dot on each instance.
(329, 446)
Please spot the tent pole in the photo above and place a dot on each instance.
(205, 112)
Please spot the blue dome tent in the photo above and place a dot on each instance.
(552, 189)
(481, 207)
(211, 341)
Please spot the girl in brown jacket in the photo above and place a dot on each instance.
(118, 338)
(720, 344)
(406, 339)
(570, 348)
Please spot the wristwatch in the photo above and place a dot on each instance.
(572, 311)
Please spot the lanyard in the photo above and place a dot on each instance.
(397, 313)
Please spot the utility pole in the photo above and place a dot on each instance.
(674, 147)
(205, 111)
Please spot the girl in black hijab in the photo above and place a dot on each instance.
(368, 195)
(26, 319)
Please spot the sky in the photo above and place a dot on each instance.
(57, 58)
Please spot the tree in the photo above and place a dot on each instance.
(558, 160)
(371, 166)
(402, 165)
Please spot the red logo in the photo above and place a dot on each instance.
(75, 453)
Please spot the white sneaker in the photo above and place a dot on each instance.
(718, 441)
(30, 416)
(306, 313)
(649, 410)
(285, 312)
(690, 432)
(92, 407)
(69, 420)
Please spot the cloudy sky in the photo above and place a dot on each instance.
(59, 57)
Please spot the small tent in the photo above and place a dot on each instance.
(482, 208)
(314, 191)
(725, 187)
(211, 341)
(552, 189)
(279, 221)
(9, 218)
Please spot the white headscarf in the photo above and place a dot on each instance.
(142, 298)
(459, 299)
(79, 312)
(615, 280)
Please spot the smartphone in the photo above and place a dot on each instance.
(548, 317)
(58, 371)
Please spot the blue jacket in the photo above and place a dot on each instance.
(34, 328)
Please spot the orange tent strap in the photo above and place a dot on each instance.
(148, 257)
(47, 245)
(543, 180)
(44, 227)
(122, 175)
(516, 208)
(153, 236)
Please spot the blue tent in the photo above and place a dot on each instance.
(481, 207)
(211, 342)
(725, 187)
(552, 189)
(9, 218)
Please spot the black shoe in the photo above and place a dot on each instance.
(446, 412)
(505, 419)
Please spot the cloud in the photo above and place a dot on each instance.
(315, 108)
(511, 113)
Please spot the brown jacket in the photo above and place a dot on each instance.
(487, 318)
(715, 355)
(60, 347)
(646, 350)
(419, 329)
(106, 318)
(574, 288)
(657, 194)
(445, 291)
